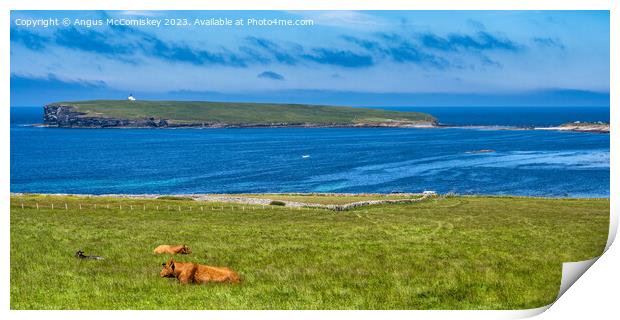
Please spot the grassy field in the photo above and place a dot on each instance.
(328, 198)
(446, 253)
(235, 113)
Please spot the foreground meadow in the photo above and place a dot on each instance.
(444, 253)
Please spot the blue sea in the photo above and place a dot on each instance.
(177, 161)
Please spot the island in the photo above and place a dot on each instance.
(203, 114)
(132, 113)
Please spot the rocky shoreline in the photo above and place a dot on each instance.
(581, 127)
(569, 127)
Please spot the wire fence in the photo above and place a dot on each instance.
(143, 207)
(75, 205)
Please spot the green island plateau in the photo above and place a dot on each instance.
(154, 114)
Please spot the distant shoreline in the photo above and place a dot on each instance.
(602, 128)
(592, 128)
(250, 126)
(233, 197)
(214, 115)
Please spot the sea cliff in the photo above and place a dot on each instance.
(67, 117)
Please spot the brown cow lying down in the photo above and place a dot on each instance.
(188, 272)
(164, 248)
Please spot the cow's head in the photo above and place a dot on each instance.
(186, 250)
(79, 254)
(168, 269)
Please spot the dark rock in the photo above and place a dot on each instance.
(67, 117)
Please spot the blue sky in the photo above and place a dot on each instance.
(385, 58)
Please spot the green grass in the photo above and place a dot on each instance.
(446, 253)
(328, 198)
(239, 113)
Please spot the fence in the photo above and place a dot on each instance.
(289, 205)
(143, 207)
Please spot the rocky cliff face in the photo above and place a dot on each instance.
(66, 117)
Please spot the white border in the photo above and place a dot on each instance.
(595, 294)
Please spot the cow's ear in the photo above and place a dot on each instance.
(172, 265)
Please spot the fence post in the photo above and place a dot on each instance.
(201, 209)
(22, 205)
(179, 208)
(157, 208)
(37, 206)
(144, 207)
(52, 206)
(80, 206)
(131, 207)
(190, 208)
(120, 207)
(66, 207)
(95, 206)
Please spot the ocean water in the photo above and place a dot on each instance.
(174, 161)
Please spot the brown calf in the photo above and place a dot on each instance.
(164, 248)
(188, 272)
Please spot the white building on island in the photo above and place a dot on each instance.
(131, 98)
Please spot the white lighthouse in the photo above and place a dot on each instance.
(131, 98)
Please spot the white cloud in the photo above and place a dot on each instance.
(136, 13)
(343, 19)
